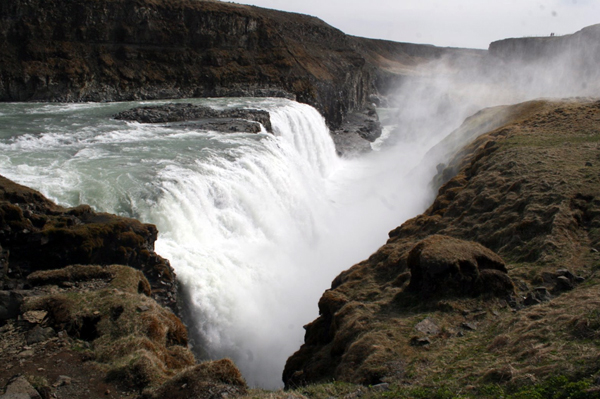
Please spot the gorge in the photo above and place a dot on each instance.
(257, 225)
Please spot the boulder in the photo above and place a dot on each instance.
(19, 387)
(40, 334)
(442, 265)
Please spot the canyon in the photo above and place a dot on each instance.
(492, 291)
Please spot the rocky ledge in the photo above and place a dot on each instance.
(491, 292)
(225, 121)
(86, 309)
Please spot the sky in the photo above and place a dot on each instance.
(454, 23)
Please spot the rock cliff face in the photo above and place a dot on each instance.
(582, 46)
(123, 50)
(522, 199)
(148, 49)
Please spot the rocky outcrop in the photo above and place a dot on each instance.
(118, 341)
(40, 235)
(226, 121)
(86, 307)
(521, 199)
(568, 61)
(357, 132)
(217, 379)
(441, 265)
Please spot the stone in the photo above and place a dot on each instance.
(427, 327)
(563, 284)
(143, 308)
(62, 380)
(26, 353)
(566, 273)
(20, 386)
(226, 120)
(471, 326)
(542, 293)
(40, 334)
(35, 316)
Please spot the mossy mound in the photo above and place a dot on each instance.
(215, 379)
(136, 340)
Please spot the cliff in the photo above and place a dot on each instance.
(489, 292)
(118, 50)
(583, 46)
(86, 308)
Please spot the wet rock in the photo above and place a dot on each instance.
(359, 129)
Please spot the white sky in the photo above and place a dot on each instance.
(457, 23)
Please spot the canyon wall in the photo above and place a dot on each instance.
(119, 50)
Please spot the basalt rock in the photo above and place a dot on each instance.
(358, 130)
(123, 50)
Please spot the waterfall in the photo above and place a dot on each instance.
(239, 228)
(256, 226)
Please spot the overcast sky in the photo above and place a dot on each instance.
(457, 23)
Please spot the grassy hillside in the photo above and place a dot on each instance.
(432, 314)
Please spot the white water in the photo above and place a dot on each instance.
(256, 226)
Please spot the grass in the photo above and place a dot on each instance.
(137, 341)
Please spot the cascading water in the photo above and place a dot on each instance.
(255, 225)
